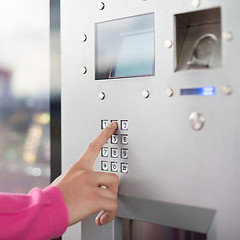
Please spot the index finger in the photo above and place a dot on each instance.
(87, 159)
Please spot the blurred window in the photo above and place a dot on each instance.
(24, 95)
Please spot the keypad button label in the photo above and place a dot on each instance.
(104, 152)
(124, 139)
(104, 166)
(124, 153)
(104, 124)
(114, 166)
(114, 153)
(124, 167)
(124, 124)
(114, 139)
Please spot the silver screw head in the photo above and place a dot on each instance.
(168, 44)
(145, 93)
(101, 5)
(83, 70)
(101, 95)
(196, 3)
(228, 36)
(169, 92)
(84, 38)
(227, 90)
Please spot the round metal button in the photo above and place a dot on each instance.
(196, 121)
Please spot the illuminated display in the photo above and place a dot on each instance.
(203, 91)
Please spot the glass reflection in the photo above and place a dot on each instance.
(24, 95)
(137, 230)
(125, 47)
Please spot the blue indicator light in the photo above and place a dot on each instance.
(203, 91)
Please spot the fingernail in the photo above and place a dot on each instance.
(112, 125)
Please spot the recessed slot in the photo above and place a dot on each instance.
(198, 40)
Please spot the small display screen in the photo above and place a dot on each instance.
(202, 91)
(125, 48)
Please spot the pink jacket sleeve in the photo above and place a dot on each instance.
(40, 215)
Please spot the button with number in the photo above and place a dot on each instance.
(104, 152)
(124, 124)
(104, 166)
(114, 152)
(114, 139)
(124, 153)
(124, 139)
(124, 167)
(104, 124)
(114, 166)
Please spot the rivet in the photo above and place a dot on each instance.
(196, 3)
(84, 38)
(228, 36)
(145, 93)
(227, 90)
(101, 5)
(101, 95)
(168, 43)
(169, 92)
(83, 70)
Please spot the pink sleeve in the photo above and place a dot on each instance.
(40, 215)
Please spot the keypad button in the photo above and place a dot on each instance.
(114, 139)
(124, 153)
(124, 139)
(115, 122)
(104, 166)
(124, 124)
(114, 153)
(104, 152)
(114, 166)
(104, 124)
(124, 167)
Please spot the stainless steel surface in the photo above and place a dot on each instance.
(167, 161)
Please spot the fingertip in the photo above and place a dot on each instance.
(105, 218)
(113, 125)
(98, 218)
